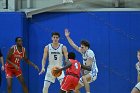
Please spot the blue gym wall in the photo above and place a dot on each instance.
(11, 26)
(114, 38)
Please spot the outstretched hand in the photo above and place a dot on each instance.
(67, 33)
(42, 71)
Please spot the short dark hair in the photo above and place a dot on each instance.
(71, 55)
(55, 33)
(17, 38)
(85, 43)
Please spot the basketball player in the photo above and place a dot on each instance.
(12, 66)
(55, 52)
(138, 66)
(136, 89)
(88, 60)
(2, 67)
(73, 68)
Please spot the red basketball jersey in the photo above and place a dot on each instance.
(16, 56)
(75, 68)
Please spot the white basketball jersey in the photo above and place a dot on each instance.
(55, 55)
(90, 54)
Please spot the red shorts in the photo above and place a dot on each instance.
(69, 83)
(10, 72)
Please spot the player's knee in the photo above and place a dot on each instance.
(76, 91)
(9, 87)
(83, 77)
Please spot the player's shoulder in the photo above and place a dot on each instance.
(60, 44)
(63, 46)
(89, 51)
(12, 49)
(13, 46)
(23, 47)
(46, 46)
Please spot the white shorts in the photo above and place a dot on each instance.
(93, 78)
(49, 77)
(138, 86)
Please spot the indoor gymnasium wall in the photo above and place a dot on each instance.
(114, 38)
(11, 26)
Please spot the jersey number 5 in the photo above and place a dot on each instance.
(55, 57)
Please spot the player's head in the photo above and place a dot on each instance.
(55, 37)
(84, 45)
(138, 55)
(18, 41)
(71, 55)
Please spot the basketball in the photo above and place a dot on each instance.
(56, 74)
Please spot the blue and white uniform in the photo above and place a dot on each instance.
(55, 59)
(89, 54)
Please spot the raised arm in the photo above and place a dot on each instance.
(67, 34)
(44, 60)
